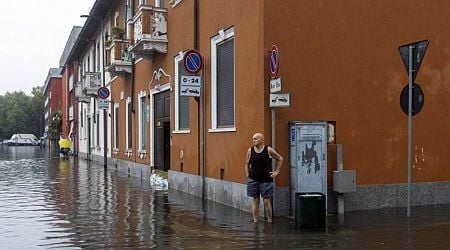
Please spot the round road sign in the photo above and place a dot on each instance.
(418, 99)
(192, 61)
(103, 92)
(273, 64)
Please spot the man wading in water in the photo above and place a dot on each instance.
(258, 169)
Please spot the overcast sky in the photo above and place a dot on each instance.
(33, 36)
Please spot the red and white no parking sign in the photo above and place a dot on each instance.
(274, 62)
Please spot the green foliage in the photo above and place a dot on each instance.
(117, 32)
(20, 113)
(54, 125)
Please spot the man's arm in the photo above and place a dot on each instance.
(279, 161)
(247, 161)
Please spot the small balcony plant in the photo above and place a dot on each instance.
(108, 43)
(117, 32)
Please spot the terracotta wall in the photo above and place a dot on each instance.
(224, 150)
(181, 38)
(339, 61)
(143, 75)
(117, 86)
(56, 89)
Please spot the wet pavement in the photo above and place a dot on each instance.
(47, 202)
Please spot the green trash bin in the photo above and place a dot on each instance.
(310, 211)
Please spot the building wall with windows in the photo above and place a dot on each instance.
(339, 62)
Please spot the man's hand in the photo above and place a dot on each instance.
(274, 174)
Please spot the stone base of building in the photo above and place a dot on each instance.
(235, 194)
(138, 170)
(392, 195)
(366, 197)
(225, 192)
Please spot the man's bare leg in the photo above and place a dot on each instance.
(268, 208)
(255, 209)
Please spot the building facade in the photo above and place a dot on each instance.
(53, 96)
(338, 62)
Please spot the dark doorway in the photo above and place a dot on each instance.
(162, 131)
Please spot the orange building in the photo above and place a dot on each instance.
(338, 62)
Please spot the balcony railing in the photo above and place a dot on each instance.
(79, 95)
(148, 31)
(117, 62)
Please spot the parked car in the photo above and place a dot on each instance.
(23, 140)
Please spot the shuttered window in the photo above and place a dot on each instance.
(183, 101)
(225, 84)
(143, 124)
(129, 124)
(222, 82)
(116, 127)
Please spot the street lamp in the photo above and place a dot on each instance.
(105, 127)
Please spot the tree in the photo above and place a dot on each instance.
(37, 110)
(20, 113)
(54, 125)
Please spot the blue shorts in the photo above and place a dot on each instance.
(256, 188)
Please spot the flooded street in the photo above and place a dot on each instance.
(47, 202)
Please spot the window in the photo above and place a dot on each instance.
(129, 124)
(159, 3)
(97, 122)
(222, 81)
(181, 102)
(129, 8)
(88, 64)
(142, 121)
(116, 125)
(174, 2)
(70, 82)
(97, 57)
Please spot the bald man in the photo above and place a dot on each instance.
(258, 168)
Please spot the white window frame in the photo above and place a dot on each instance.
(215, 41)
(142, 94)
(159, 3)
(174, 3)
(153, 92)
(116, 120)
(70, 82)
(126, 125)
(177, 130)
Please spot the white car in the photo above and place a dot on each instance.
(23, 140)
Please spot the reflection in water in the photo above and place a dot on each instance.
(48, 202)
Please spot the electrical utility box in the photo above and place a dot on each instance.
(344, 181)
(308, 158)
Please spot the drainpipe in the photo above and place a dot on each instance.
(200, 120)
(132, 99)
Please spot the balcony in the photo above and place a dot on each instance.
(148, 32)
(79, 95)
(117, 63)
(88, 87)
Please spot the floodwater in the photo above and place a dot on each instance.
(47, 202)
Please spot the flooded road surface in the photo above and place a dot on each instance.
(47, 202)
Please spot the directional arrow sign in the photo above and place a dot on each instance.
(419, 49)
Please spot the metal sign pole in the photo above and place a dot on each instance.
(273, 162)
(410, 83)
